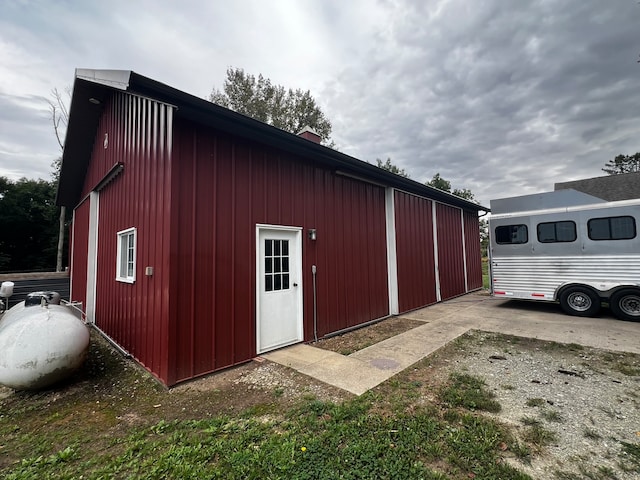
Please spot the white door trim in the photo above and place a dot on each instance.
(436, 260)
(92, 256)
(392, 252)
(296, 277)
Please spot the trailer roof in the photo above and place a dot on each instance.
(538, 201)
(567, 209)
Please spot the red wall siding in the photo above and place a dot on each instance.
(79, 246)
(225, 187)
(134, 315)
(450, 252)
(472, 250)
(414, 249)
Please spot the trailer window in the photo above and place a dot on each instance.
(612, 228)
(553, 232)
(512, 234)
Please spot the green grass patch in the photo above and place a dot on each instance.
(551, 415)
(314, 440)
(630, 457)
(469, 392)
(535, 402)
(627, 369)
(486, 281)
(539, 436)
(591, 434)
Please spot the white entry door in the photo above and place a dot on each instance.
(279, 286)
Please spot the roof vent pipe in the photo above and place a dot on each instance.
(310, 134)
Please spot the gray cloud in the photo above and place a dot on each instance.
(500, 98)
(503, 98)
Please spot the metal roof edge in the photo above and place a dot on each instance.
(270, 134)
(112, 78)
(202, 110)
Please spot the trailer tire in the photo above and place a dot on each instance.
(580, 301)
(625, 304)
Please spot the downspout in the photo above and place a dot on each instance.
(315, 305)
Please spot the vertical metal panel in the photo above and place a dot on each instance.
(195, 196)
(472, 250)
(232, 185)
(450, 251)
(134, 315)
(79, 250)
(414, 247)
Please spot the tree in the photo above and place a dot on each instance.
(623, 164)
(484, 236)
(27, 224)
(59, 118)
(287, 109)
(440, 183)
(391, 167)
(445, 185)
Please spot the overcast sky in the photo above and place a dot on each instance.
(500, 97)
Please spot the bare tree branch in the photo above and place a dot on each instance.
(59, 114)
(60, 119)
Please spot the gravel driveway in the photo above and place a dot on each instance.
(585, 392)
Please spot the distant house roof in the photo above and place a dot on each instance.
(611, 188)
(92, 87)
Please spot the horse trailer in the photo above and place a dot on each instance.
(567, 247)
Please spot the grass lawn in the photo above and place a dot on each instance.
(116, 422)
(485, 273)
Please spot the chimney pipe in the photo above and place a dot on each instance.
(310, 134)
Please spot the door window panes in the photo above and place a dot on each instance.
(276, 265)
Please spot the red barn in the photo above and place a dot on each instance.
(202, 237)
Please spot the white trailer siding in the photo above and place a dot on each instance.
(542, 270)
(541, 277)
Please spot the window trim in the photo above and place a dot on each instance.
(526, 231)
(122, 274)
(610, 239)
(555, 223)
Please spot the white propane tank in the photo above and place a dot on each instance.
(40, 345)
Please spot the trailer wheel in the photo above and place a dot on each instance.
(580, 301)
(625, 304)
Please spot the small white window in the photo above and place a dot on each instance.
(126, 258)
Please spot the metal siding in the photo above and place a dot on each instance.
(134, 315)
(472, 250)
(414, 250)
(450, 251)
(79, 252)
(233, 185)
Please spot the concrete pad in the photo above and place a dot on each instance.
(329, 367)
(299, 356)
(347, 373)
(411, 346)
(446, 321)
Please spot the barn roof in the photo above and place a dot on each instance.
(92, 87)
(611, 188)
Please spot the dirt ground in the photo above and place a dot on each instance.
(364, 337)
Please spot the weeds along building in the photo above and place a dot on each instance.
(202, 238)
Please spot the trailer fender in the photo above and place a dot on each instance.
(603, 289)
